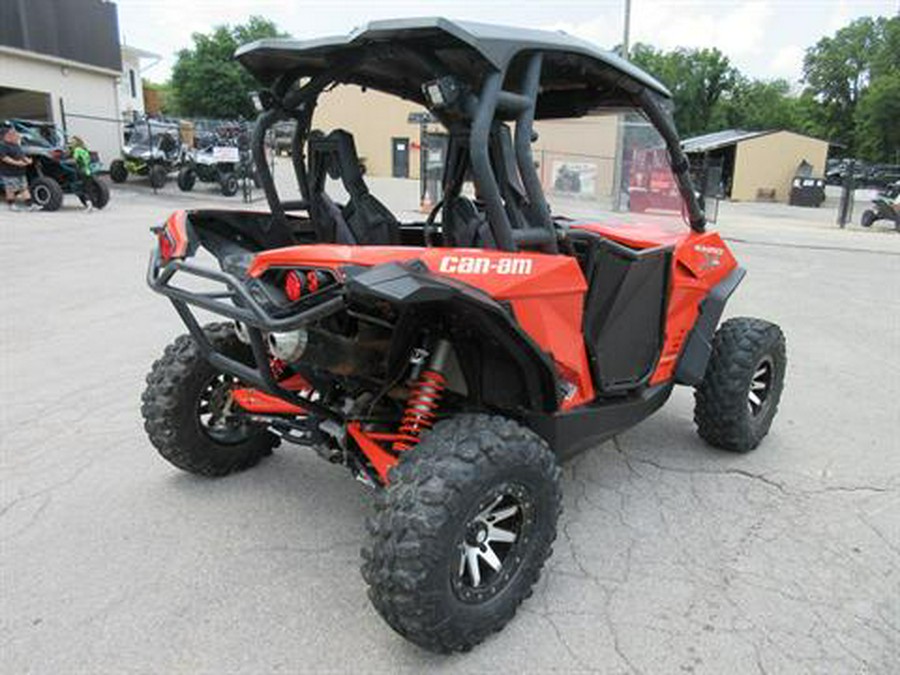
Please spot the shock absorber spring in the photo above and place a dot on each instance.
(424, 399)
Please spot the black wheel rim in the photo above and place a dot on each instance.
(758, 395)
(216, 413)
(492, 544)
(41, 195)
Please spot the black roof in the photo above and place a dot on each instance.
(412, 51)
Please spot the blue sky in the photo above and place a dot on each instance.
(764, 38)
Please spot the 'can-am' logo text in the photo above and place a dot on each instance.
(453, 264)
(712, 255)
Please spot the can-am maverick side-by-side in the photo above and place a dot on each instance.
(450, 363)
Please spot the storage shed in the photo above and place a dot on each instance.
(755, 165)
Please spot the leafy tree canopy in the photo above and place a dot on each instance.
(208, 82)
(843, 70)
(697, 78)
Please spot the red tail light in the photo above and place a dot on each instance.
(312, 281)
(166, 247)
(293, 286)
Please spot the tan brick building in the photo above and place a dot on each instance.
(384, 136)
(758, 165)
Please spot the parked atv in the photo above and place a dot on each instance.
(450, 364)
(884, 207)
(53, 173)
(221, 162)
(152, 149)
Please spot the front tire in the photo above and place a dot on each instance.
(229, 184)
(737, 400)
(461, 533)
(118, 172)
(186, 179)
(158, 176)
(185, 409)
(867, 218)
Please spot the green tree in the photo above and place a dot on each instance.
(877, 120)
(208, 82)
(839, 69)
(758, 105)
(697, 78)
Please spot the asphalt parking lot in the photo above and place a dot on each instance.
(672, 557)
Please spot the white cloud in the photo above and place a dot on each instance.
(736, 29)
(788, 62)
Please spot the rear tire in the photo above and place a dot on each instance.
(173, 409)
(735, 403)
(186, 179)
(436, 512)
(118, 172)
(158, 176)
(867, 218)
(46, 193)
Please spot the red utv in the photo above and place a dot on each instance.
(451, 364)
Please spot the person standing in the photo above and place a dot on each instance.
(82, 158)
(13, 163)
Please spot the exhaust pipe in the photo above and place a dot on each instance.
(288, 347)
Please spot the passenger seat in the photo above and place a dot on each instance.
(363, 219)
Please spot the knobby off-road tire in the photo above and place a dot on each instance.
(97, 191)
(229, 185)
(414, 563)
(46, 193)
(171, 406)
(186, 179)
(158, 176)
(748, 360)
(868, 217)
(118, 172)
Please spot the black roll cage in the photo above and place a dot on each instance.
(286, 99)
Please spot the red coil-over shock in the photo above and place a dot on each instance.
(424, 399)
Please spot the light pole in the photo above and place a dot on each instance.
(620, 125)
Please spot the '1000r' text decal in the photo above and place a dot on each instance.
(454, 264)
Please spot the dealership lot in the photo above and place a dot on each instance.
(672, 557)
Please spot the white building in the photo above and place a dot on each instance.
(60, 61)
(131, 88)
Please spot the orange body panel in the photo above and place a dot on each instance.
(546, 292)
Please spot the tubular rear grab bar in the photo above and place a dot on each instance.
(249, 311)
(253, 315)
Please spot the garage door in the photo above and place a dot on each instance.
(25, 104)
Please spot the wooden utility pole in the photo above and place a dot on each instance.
(617, 201)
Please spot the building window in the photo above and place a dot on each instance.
(131, 80)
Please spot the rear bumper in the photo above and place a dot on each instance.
(237, 303)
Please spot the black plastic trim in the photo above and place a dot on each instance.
(572, 431)
(695, 353)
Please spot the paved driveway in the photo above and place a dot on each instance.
(672, 557)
